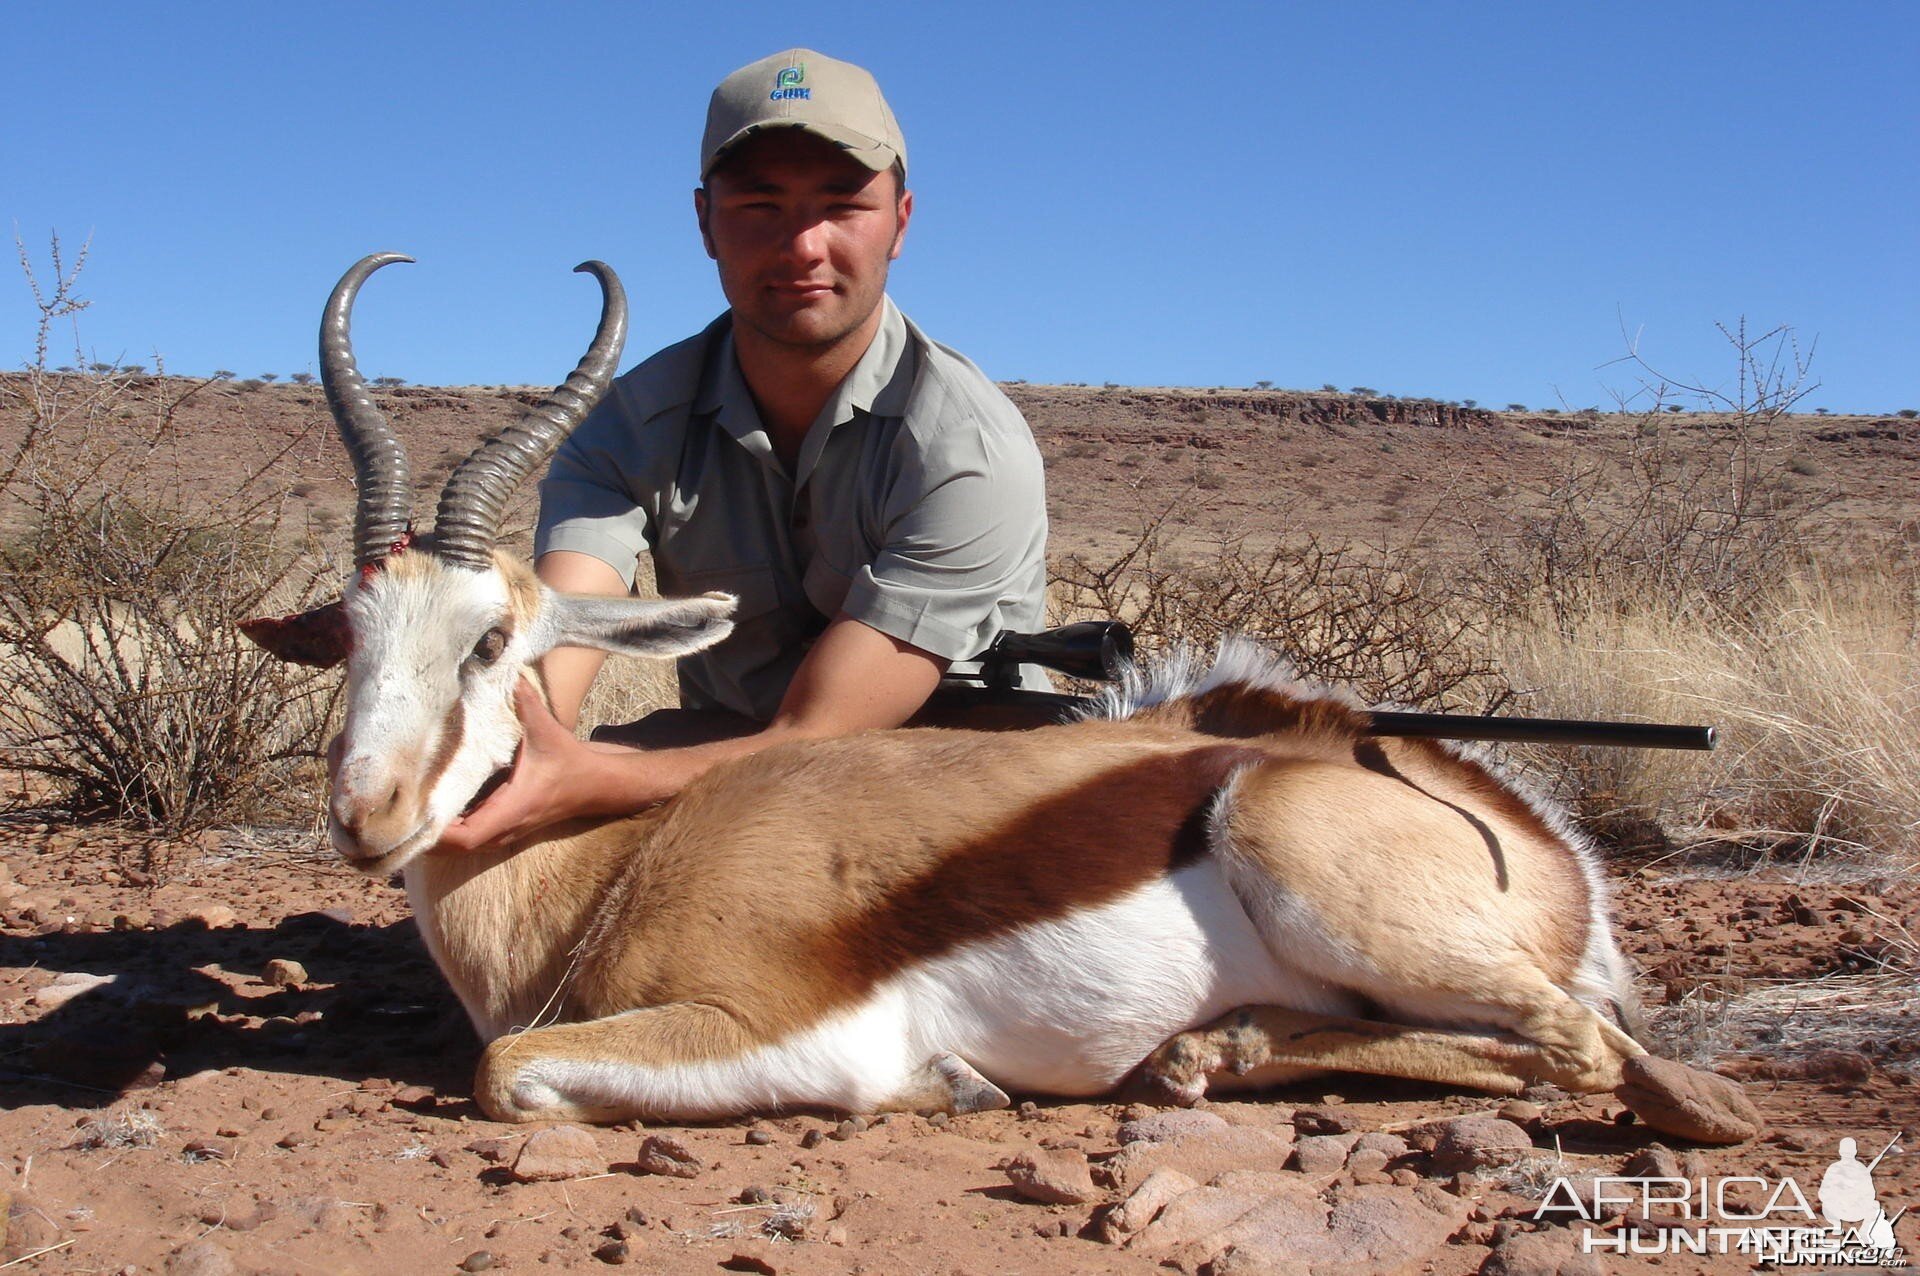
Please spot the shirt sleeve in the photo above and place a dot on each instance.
(587, 500)
(965, 544)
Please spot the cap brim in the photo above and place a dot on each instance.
(875, 155)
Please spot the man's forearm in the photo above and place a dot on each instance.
(568, 672)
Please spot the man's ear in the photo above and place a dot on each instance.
(702, 208)
(637, 626)
(319, 638)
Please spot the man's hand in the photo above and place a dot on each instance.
(854, 679)
(552, 781)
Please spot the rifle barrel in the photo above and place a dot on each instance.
(1621, 735)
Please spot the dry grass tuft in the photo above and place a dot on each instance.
(131, 1128)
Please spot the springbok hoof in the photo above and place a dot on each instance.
(1176, 1073)
(1688, 1103)
(967, 1090)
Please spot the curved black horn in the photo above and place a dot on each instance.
(476, 495)
(384, 505)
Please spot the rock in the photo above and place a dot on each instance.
(1471, 1143)
(1290, 1228)
(814, 1138)
(1323, 1153)
(1552, 1252)
(479, 1261)
(1117, 1225)
(758, 1136)
(1170, 1127)
(1520, 1111)
(199, 1258)
(847, 1129)
(663, 1154)
(68, 985)
(758, 1260)
(495, 1151)
(1052, 1178)
(1201, 1157)
(614, 1253)
(212, 916)
(1374, 1151)
(1653, 1163)
(559, 1152)
(1322, 1120)
(283, 972)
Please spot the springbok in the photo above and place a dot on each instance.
(1214, 877)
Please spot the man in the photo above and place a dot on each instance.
(875, 503)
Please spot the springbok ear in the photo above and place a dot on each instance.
(319, 638)
(639, 626)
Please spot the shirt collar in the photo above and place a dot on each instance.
(879, 385)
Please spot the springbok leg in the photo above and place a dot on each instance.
(690, 1060)
(1257, 1043)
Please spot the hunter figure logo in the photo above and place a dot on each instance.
(789, 84)
(1719, 1215)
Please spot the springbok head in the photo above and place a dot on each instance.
(435, 629)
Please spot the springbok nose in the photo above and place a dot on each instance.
(378, 816)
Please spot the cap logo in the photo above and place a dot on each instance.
(787, 84)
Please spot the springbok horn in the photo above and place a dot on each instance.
(384, 505)
(476, 496)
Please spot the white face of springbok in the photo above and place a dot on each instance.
(433, 655)
(436, 632)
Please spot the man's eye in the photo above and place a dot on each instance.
(491, 644)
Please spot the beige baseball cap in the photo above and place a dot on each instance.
(803, 89)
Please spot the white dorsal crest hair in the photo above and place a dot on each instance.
(436, 629)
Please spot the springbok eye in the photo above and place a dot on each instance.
(491, 644)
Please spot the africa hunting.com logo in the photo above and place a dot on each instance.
(1677, 1215)
(789, 84)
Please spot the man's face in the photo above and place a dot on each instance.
(803, 235)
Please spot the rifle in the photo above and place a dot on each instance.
(1100, 650)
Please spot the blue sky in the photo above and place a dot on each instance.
(1456, 200)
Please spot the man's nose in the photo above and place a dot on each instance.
(806, 238)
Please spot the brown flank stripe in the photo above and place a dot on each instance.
(1009, 877)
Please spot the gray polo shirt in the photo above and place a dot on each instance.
(917, 506)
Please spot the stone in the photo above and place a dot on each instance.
(283, 972)
(614, 1253)
(1471, 1143)
(1201, 1157)
(758, 1136)
(1118, 1225)
(1520, 1112)
(1287, 1226)
(666, 1155)
(1322, 1120)
(199, 1258)
(1374, 1151)
(1551, 1252)
(213, 916)
(1052, 1177)
(1170, 1127)
(1655, 1162)
(494, 1151)
(556, 1153)
(479, 1261)
(69, 985)
(1323, 1153)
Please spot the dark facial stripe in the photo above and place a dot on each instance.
(453, 730)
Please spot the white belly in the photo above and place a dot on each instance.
(1071, 1006)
